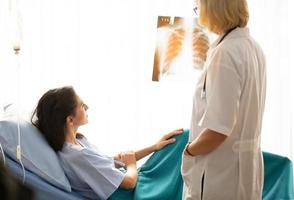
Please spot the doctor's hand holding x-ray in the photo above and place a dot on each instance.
(223, 160)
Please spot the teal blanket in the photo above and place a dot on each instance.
(160, 177)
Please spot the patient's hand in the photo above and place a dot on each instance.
(166, 139)
(128, 157)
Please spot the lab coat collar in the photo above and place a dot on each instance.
(237, 33)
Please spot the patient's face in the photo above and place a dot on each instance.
(81, 116)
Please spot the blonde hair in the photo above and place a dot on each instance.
(221, 15)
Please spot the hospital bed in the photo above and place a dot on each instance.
(42, 189)
(160, 178)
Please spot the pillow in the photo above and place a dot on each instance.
(37, 155)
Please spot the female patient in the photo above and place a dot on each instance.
(58, 115)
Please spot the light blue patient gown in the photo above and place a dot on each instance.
(90, 173)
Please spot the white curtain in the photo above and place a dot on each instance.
(105, 49)
(271, 24)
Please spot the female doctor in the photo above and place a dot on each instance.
(223, 160)
(92, 174)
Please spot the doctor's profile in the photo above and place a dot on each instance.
(223, 159)
(58, 115)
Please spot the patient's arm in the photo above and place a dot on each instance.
(165, 140)
(130, 158)
(205, 143)
(131, 175)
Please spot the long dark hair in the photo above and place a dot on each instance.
(51, 112)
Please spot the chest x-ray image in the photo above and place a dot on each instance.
(181, 48)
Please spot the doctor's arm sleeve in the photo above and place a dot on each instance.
(222, 99)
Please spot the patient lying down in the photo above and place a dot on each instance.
(58, 115)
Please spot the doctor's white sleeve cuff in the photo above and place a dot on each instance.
(215, 127)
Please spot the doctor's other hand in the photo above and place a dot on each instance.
(167, 139)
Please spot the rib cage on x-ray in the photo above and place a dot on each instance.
(175, 39)
(174, 47)
(199, 45)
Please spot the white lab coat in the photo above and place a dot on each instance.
(232, 104)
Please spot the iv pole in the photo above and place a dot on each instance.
(16, 33)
